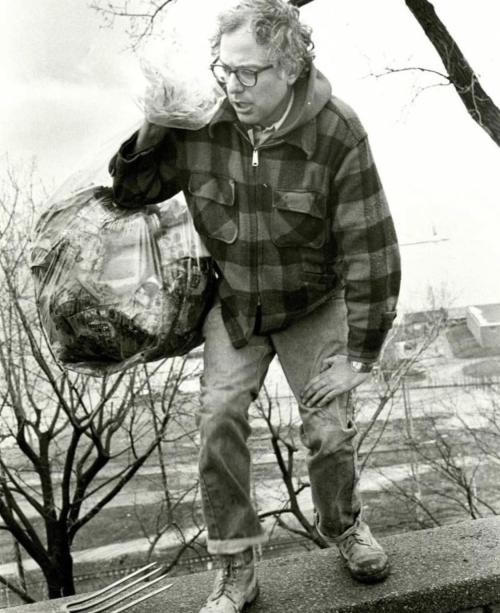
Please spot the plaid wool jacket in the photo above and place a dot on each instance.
(290, 223)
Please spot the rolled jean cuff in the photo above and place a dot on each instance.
(338, 539)
(232, 546)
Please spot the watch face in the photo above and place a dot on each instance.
(360, 366)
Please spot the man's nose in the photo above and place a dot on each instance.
(233, 84)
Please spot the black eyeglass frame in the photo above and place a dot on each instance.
(237, 72)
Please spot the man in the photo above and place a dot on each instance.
(285, 195)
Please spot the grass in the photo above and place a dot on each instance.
(393, 510)
(483, 370)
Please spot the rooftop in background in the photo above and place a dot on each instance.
(483, 320)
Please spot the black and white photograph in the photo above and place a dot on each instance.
(249, 306)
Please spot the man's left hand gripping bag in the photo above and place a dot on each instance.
(116, 287)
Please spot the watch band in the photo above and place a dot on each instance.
(360, 367)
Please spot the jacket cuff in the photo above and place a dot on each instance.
(127, 153)
(358, 356)
(126, 157)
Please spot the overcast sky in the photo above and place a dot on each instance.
(69, 90)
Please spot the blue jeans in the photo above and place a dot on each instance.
(231, 380)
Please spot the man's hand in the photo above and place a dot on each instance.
(335, 378)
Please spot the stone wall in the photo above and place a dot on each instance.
(453, 569)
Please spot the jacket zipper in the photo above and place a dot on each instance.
(255, 164)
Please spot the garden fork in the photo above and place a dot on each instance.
(119, 591)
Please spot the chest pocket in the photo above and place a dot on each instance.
(299, 219)
(212, 207)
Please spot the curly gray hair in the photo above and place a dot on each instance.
(275, 24)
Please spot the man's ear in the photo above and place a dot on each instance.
(292, 76)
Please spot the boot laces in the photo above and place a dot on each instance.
(227, 580)
(356, 538)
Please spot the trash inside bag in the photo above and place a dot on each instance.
(118, 287)
(177, 100)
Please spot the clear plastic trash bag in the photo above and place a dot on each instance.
(180, 90)
(178, 100)
(116, 287)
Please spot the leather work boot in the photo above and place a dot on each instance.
(235, 585)
(363, 555)
(366, 560)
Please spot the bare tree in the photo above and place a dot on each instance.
(283, 436)
(178, 509)
(70, 443)
(460, 74)
(140, 16)
(453, 466)
(394, 367)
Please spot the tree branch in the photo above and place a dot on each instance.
(478, 103)
(13, 587)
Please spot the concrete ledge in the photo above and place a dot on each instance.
(444, 570)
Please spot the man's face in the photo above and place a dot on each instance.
(266, 101)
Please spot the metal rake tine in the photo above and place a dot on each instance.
(107, 606)
(142, 598)
(92, 602)
(75, 605)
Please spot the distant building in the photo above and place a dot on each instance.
(483, 321)
(416, 318)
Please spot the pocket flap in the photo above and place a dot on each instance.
(218, 189)
(309, 203)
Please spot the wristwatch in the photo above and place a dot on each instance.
(360, 367)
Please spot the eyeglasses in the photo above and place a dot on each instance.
(246, 76)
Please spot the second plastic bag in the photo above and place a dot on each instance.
(117, 287)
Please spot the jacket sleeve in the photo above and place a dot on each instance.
(370, 264)
(145, 177)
